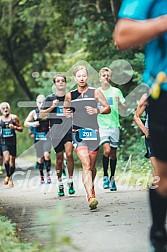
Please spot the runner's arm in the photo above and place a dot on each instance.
(130, 33)
(143, 103)
(100, 98)
(17, 125)
(45, 111)
(29, 121)
(66, 106)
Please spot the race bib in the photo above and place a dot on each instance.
(7, 132)
(109, 100)
(87, 134)
(59, 111)
(40, 136)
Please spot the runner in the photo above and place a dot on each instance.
(1, 159)
(40, 133)
(144, 22)
(109, 127)
(9, 123)
(141, 108)
(60, 132)
(84, 112)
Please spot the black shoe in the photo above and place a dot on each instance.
(61, 191)
(158, 240)
(71, 188)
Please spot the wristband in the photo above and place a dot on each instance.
(98, 111)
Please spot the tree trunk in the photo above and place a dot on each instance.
(115, 6)
(11, 61)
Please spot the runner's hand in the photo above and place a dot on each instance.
(90, 110)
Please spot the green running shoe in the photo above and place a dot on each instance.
(61, 191)
(71, 188)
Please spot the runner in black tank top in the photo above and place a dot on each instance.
(9, 123)
(41, 139)
(84, 112)
(61, 134)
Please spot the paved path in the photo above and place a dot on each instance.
(120, 223)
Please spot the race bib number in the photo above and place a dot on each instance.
(7, 132)
(87, 134)
(40, 136)
(59, 111)
(109, 100)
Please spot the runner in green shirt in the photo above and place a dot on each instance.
(109, 127)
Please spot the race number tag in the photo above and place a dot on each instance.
(59, 111)
(87, 134)
(7, 132)
(40, 136)
(109, 100)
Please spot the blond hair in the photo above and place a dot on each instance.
(40, 97)
(4, 104)
(78, 68)
(105, 69)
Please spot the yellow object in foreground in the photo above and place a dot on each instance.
(156, 89)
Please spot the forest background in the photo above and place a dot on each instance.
(39, 36)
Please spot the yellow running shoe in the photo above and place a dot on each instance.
(6, 180)
(11, 183)
(93, 203)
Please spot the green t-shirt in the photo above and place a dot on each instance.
(111, 120)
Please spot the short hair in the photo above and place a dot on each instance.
(39, 97)
(78, 68)
(4, 104)
(105, 69)
(59, 75)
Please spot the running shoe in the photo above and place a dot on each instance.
(106, 182)
(113, 186)
(92, 203)
(1, 171)
(49, 181)
(6, 180)
(11, 184)
(42, 180)
(71, 188)
(61, 191)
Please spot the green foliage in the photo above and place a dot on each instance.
(9, 241)
(57, 242)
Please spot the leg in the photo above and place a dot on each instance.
(105, 161)
(59, 163)
(6, 156)
(1, 161)
(113, 162)
(158, 203)
(70, 165)
(41, 167)
(93, 158)
(69, 158)
(83, 155)
(47, 163)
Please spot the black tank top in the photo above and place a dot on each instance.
(43, 128)
(8, 135)
(81, 119)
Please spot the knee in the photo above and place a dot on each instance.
(106, 152)
(6, 160)
(69, 155)
(113, 154)
(86, 166)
